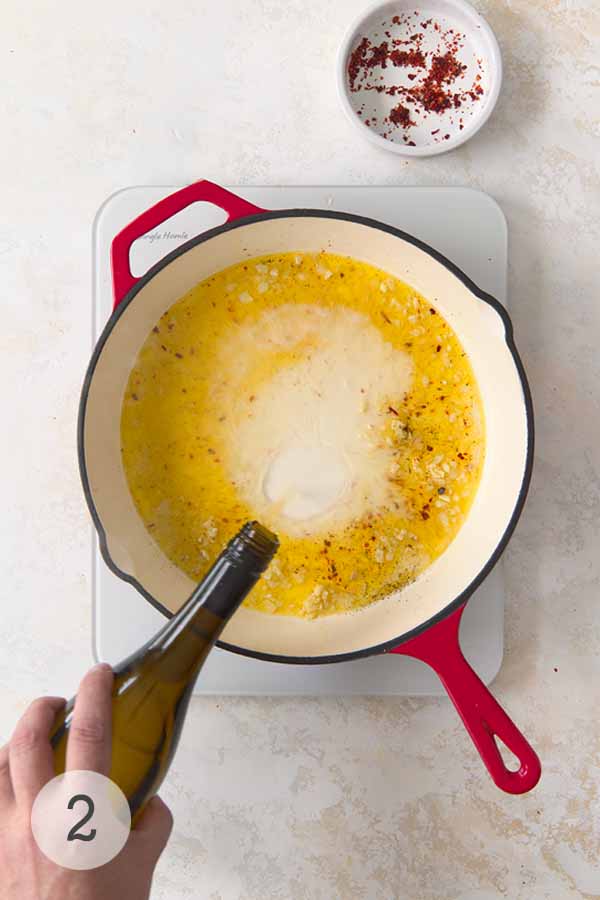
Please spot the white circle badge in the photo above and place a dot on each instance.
(80, 819)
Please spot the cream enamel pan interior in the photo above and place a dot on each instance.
(485, 332)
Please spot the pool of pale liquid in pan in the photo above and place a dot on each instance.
(321, 396)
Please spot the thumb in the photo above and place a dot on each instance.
(153, 829)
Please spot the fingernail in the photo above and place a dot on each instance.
(101, 667)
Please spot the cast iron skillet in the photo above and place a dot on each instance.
(435, 641)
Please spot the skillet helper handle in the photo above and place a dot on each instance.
(482, 715)
(205, 191)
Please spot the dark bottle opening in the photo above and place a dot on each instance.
(253, 544)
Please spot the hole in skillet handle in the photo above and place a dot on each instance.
(176, 230)
(512, 762)
(199, 191)
(482, 715)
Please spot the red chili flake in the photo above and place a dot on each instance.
(407, 58)
(179, 355)
(438, 348)
(155, 329)
(134, 397)
(379, 56)
(429, 89)
(445, 68)
(400, 115)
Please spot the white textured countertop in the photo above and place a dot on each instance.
(327, 799)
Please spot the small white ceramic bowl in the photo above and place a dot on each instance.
(429, 132)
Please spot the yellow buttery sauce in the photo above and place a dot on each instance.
(202, 373)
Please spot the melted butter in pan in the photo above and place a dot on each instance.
(321, 396)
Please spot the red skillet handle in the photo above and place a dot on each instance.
(234, 206)
(483, 717)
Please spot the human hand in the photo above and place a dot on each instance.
(26, 765)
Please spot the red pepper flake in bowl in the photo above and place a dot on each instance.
(358, 62)
(423, 63)
(400, 115)
(408, 58)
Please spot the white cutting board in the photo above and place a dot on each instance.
(465, 225)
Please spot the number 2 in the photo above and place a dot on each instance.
(73, 834)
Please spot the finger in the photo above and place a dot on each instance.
(153, 829)
(6, 791)
(89, 741)
(29, 752)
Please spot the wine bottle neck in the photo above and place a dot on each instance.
(181, 646)
(210, 606)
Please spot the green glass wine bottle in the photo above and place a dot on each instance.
(152, 687)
